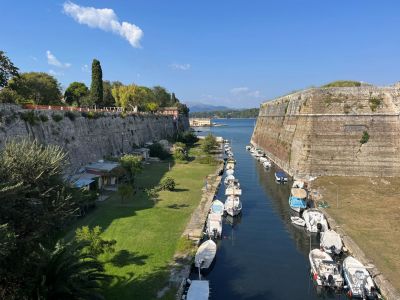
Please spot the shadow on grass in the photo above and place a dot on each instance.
(177, 206)
(180, 190)
(125, 257)
(130, 286)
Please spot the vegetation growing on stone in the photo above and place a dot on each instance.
(342, 83)
(29, 117)
(364, 138)
(57, 117)
(374, 103)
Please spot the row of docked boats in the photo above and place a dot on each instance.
(326, 269)
(205, 254)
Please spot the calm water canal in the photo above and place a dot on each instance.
(262, 255)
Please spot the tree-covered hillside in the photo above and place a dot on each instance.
(233, 113)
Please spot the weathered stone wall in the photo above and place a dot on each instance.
(86, 139)
(318, 131)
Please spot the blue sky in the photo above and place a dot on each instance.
(233, 53)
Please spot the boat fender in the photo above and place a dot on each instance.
(315, 276)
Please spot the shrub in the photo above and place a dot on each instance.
(188, 137)
(70, 115)
(180, 151)
(157, 150)
(374, 103)
(343, 83)
(209, 143)
(29, 117)
(167, 184)
(57, 117)
(44, 118)
(365, 137)
(152, 194)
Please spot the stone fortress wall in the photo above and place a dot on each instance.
(318, 131)
(85, 139)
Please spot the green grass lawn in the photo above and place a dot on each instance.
(147, 234)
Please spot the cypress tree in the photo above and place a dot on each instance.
(96, 88)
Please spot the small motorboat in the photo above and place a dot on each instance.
(198, 290)
(228, 179)
(331, 242)
(230, 172)
(230, 163)
(214, 225)
(262, 159)
(205, 254)
(358, 279)
(281, 176)
(233, 189)
(233, 206)
(298, 199)
(298, 221)
(315, 220)
(267, 164)
(217, 207)
(259, 153)
(324, 269)
(248, 148)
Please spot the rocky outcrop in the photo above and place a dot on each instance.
(87, 139)
(333, 131)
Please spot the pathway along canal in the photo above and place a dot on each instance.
(262, 255)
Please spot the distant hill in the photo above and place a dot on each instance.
(228, 113)
(200, 107)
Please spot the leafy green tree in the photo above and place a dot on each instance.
(75, 92)
(108, 98)
(157, 150)
(95, 244)
(152, 106)
(125, 191)
(96, 88)
(132, 164)
(68, 272)
(8, 95)
(209, 143)
(40, 88)
(162, 96)
(183, 109)
(33, 204)
(7, 69)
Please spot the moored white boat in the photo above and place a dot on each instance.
(298, 221)
(248, 148)
(267, 164)
(233, 206)
(315, 220)
(298, 199)
(298, 184)
(262, 159)
(358, 279)
(324, 269)
(331, 242)
(214, 225)
(233, 189)
(228, 179)
(230, 172)
(217, 207)
(198, 290)
(205, 254)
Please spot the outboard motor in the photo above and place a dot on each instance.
(319, 227)
(331, 281)
(333, 249)
(215, 234)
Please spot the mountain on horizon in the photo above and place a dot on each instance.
(201, 107)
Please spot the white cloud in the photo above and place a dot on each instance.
(182, 67)
(105, 19)
(85, 68)
(54, 73)
(245, 91)
(239, 90)
(52, 60)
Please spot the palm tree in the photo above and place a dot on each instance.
(66, 272)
